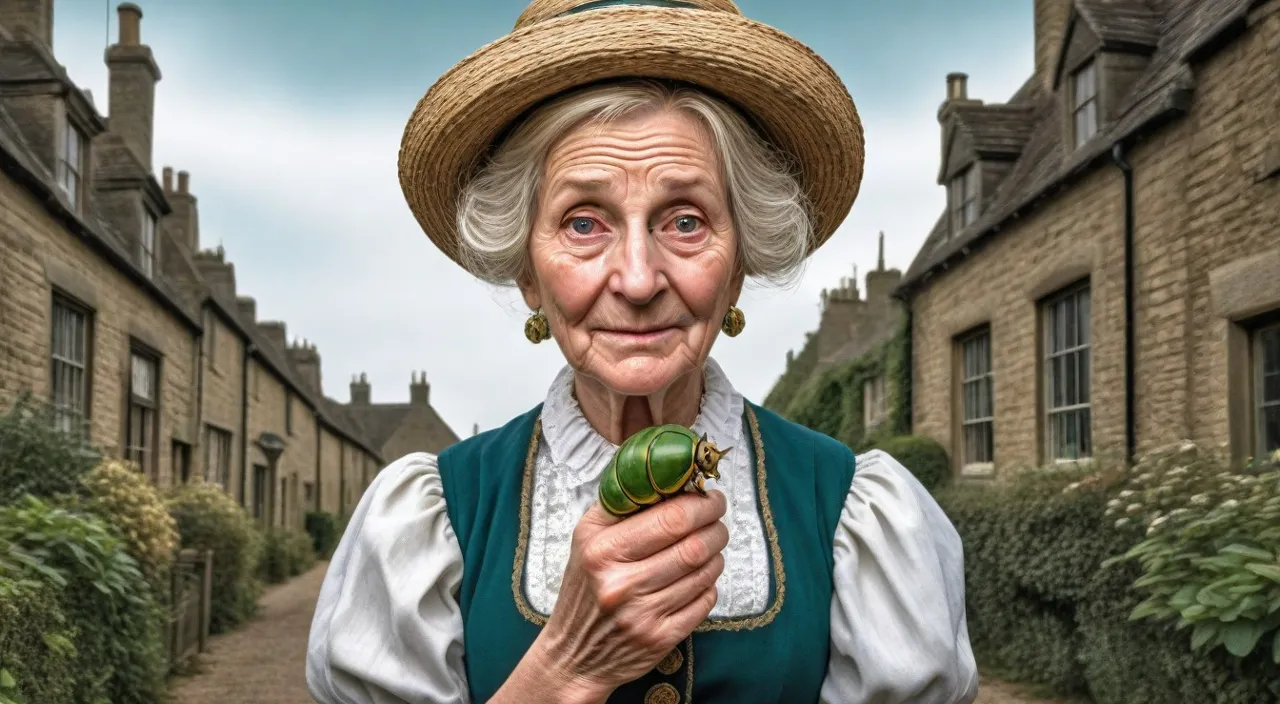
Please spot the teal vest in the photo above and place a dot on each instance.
(779, 655)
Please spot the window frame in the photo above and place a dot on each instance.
(146, 458)
(83, 416)
(1088, 107)
(1077, 292)
(148, 242)
(225, 440)
(968, 377)
(70, 133)
(179, 462)
(1260, 404)
(875, 405)
(963, 198)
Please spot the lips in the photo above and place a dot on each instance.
(640, 335)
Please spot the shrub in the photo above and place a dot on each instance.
(37, 650)
(1042, 607)
(209, 519)
(286, 554)
(1211, 557)
(323, 529)
(119, 648)
(925, 457)
(120, 494)
(38, 459)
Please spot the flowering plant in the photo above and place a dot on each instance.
(1211, 553)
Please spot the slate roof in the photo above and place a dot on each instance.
(997, 129)
(29, 62)
(1183, 30)
(380, 422)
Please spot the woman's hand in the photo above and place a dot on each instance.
(633, 589)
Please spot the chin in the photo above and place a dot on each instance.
(641, 375)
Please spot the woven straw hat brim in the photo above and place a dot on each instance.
(795, 98)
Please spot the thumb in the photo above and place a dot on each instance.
(596, 515)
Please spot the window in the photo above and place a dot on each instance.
(71, 162)
(260, 485)
(309, 493)
(874, 402)
(217, 456)
(1066, 368)
(288, 413)
(69, 373)
(181, 461)
(147, 257)
(1267, 371)
(964, 199)
(143, 401)
(1084, 90)
(977, 397)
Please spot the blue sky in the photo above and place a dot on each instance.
(288, 115)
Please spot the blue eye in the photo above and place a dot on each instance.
(582, 226)
(686, 224)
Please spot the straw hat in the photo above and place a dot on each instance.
(792, 95)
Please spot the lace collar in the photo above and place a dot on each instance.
(576, 446)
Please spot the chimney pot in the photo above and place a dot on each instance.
(184, 182)
(957, 86)
(168, 179)
(130, 16)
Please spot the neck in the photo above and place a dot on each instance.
(619, 416)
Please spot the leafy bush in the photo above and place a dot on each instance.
(1211, 557)
(1043, 608)
(119, 649)
(925, 457)
(37, 650)
(286, 554)
(120, 494)
(209, 519)
(324, 532)
(38, 459)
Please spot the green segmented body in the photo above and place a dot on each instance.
(654, 464)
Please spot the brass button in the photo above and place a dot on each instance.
(662, 694)
(671, 663)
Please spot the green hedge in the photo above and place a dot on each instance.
(37, 644)
(925, 457)
(36, 458)
(118, 643)
(285, 554)
(325, 530)
(209, 519)
(1047, 605)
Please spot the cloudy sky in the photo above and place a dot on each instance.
(288, 115)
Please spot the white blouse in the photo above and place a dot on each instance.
(388, 629)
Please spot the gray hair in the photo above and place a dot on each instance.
(770, 212)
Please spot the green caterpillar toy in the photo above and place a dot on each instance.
(655, 464)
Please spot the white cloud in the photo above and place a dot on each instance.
(308, 206)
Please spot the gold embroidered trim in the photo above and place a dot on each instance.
(729, 624)
(688, 674)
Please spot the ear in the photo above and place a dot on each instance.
(735, 285)
(529, 289)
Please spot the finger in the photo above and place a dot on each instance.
(663, 525)
(597, 516)
(678, 594)
(685, 557)
(682, 622)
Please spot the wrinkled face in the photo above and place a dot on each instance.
(633, 250)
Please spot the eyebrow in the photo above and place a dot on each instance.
(683, 182)
(583, 183)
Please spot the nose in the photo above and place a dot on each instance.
(638, 273)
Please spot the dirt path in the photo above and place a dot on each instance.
(263, 661)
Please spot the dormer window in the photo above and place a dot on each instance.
(964, 198)
(71, 162)
(147, 255)
(1084, 92)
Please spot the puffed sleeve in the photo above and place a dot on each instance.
(387, 627)
(898, 628)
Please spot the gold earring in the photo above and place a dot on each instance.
(536, 328)
(734, 321)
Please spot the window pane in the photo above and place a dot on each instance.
(143, 378)
(1271, 429)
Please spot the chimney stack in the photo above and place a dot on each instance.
(957, 86)
(184, 222)
(248, 308)
(274, 331)
(132, 77)
(419, 389)
(306, 362)
(880, 258)
(1050, 28)
(360, 390)
(31, 17)
(218, 273)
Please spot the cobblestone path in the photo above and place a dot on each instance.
(263, 661)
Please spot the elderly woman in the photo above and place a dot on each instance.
(627, 165)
